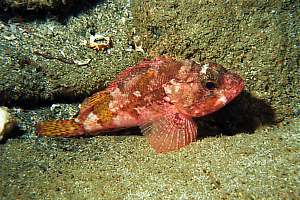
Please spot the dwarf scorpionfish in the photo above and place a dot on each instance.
(161, 96)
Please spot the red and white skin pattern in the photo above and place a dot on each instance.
(161, 96)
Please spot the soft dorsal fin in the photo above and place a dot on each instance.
(99, 98)
(170, 132)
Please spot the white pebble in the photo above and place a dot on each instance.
(7, 122)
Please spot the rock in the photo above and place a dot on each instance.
(7, 122)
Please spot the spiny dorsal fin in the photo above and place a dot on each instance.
(139, 68)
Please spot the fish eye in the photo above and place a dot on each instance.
(211, 85)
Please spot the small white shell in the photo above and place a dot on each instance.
(7, 122)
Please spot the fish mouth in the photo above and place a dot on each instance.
(233, 85)
(229, 86)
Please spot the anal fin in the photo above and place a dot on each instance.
(60, 128)
(170, 132)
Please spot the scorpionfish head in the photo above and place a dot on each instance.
(204, 88)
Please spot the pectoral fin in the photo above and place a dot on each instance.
(171, 132)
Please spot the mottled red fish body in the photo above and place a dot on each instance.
(161, 96)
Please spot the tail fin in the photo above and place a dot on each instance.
(60, 128)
